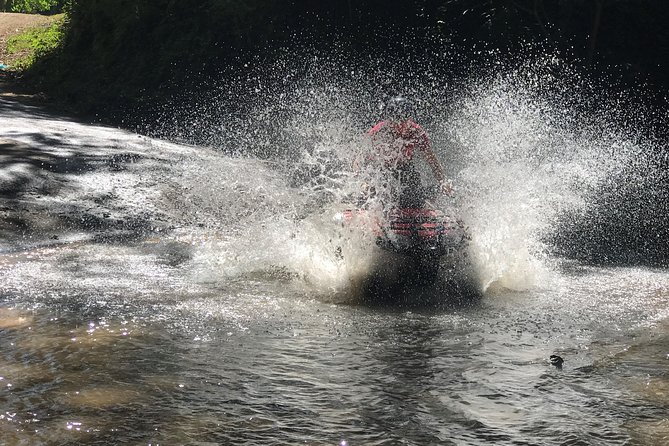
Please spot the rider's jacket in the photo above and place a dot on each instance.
(396, 143)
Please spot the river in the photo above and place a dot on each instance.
(161, 293)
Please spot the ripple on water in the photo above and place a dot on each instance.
(102, 397)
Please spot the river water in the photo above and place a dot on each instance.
(162, 293)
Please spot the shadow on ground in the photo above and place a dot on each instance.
(41, 195)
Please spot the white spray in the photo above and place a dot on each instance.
(517, 155)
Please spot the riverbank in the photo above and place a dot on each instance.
(12, 24)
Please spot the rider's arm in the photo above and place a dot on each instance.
(434, 163)
(432, 160)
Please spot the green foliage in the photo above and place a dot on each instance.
(32, 6)
(34, 43)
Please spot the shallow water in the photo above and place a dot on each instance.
(156, 293)
(254, 362)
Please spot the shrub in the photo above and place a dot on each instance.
(33, 6)
(33, 43)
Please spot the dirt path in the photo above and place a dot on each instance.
(13, 23)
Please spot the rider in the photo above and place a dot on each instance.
(395, 141)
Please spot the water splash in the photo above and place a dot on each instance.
(523, 144)
(528, 155)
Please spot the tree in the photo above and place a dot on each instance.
(33, 6)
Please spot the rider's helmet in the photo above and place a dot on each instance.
(399, 108)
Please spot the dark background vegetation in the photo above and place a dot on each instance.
(117, 48)
(121, 55)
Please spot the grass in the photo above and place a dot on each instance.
(24, 48)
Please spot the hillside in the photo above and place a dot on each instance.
(12, 24)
